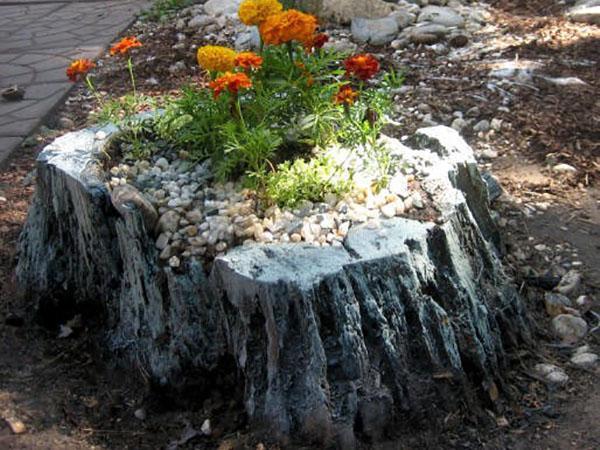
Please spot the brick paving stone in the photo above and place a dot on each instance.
(38, 39)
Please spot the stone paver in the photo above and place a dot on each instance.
(38, 39)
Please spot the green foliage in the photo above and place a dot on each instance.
(116, 110)
(163, 9)
(300, 180)
(193, 122)
(247, 149)
(136, 129)
(365, 120)
(264, 134)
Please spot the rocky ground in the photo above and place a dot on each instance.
(202, 219)
(518, 80)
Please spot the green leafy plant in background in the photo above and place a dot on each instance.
(164, 9)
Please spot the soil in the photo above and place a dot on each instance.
(69, 395)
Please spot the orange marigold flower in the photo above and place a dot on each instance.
(124, 45)
(254, 12)
(287, 26)
(363, 66)
(248, 60)
(345, 96)
(317, 41)
(216, 58)
(79, 68)
(233, 82)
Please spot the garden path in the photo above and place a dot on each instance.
(38, 38)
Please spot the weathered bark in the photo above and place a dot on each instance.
(332, 344)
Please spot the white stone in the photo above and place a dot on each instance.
(168, 221)
(564, 168)
(570, 283)
(205, 428)
(585, 360)
(194, 216)
(221, 7)
(496, 124)
(459, 123)
(482, 125)
(65, 123)
(389, 210)
(399, 185)
(162, 241)
(488, 153)
(200, 21)
(569, 328)
(522, 70)
(417, 200)
(552, 374)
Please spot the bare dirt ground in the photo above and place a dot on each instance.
(67, 395)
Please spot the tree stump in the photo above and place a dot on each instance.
(332, 345)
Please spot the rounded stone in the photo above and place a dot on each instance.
(569, 328)
(585, 360)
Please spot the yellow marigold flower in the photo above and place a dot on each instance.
(216, 58)
(254, 12)
(287, 26)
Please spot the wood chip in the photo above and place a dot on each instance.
(16, 426)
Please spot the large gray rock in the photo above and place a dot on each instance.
(374, 31)
(343, 11)
(221, 7)
(400, 324)
(585, 11)
(403, 17)
(441, 15)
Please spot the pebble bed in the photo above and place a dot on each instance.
(202, 219)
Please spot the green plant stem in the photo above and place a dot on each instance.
(238, 108)
(92, 88)
(290, 51)
(130, 68)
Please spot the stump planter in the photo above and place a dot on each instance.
(332, 345)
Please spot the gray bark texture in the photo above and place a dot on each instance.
(332, 345)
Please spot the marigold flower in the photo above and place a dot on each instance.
(254, 12)
(79, 68)
(216, 58)
(317, 41)
(124, 45)
(233, 82)
(363, 66)
(248, 60)
(287, 26)
(345, 96)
